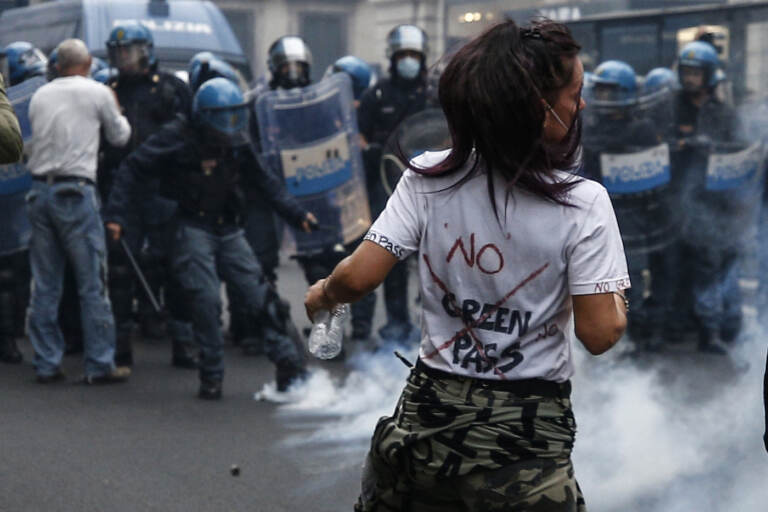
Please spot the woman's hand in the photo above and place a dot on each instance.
(317, 299)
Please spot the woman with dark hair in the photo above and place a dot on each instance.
(512, 249)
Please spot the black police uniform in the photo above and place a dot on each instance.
(207, 181)
(382, 108)
(148, 102)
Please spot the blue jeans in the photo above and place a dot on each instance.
(202, 259)
(66, 225)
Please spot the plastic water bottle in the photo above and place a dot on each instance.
(327, 332)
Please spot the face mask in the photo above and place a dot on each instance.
(408, 68)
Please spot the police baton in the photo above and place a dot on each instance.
(140, 275)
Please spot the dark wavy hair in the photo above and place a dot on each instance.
(491, 93)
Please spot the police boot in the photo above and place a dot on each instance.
(182, 357)
(123, 352)
(709, 343)
(210, 389)
(9, 352)
(288, 373)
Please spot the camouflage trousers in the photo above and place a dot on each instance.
(454, 445)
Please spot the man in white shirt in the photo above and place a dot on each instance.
(66, 117)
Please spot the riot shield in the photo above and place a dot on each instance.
(15, 179)
(723, 193)
(638, 181)
(309, 136)
(424, 131)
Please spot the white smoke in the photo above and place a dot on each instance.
(682, 432)
(672, 432)
(348, 405)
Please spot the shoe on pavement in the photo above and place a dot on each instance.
(115, 376)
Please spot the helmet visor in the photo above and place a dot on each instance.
(33, 58)
(129, 59)
(293, 74)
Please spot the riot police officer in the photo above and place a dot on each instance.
(150, 98)
(202, 67)
(623, 151)
(203, 163)
(382, 108)
(24, 61)
(712, 232)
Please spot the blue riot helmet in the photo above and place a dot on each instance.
(358, 70)
(289, 61)
(697, 66)
(407, 48)
(220, 109)
(131, 48)
(24, 61)
(658, 79)
(213, 68)
(614, 82)
(198, 59)
(103, 75)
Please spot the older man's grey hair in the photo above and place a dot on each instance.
(72, 54)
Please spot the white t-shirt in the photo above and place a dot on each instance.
(496, 293)
(66, 117)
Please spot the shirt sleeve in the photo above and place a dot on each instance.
(398, 228)
(116, 127)
(597, 263)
